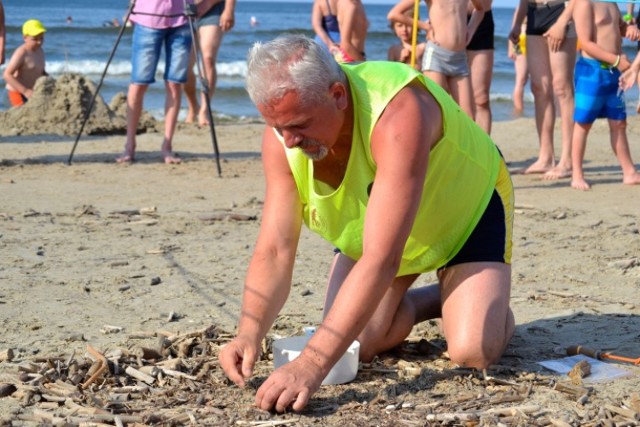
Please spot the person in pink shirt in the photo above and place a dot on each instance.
(157, 23)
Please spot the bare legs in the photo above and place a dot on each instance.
(135, 98)
(522, 76)
(619, 145)
(171, 110)
(552, 74)
(190, 91)
(481, 72)
(477, 320)
(578, 146)
(210, 37)
(563, 65)
(458, 87)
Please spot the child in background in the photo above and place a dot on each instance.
(517, 53)
(401, 52)
(26, 64)
(600, 30)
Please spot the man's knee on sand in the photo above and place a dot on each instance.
(481, 351)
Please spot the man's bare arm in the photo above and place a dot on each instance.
(227, 17)
(479, 8)
(268, 280)
(516, 24)
(558, 31)
(269, 275)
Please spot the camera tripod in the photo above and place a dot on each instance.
(190, 13)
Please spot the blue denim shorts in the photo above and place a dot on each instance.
(211, 16)
(147, 44)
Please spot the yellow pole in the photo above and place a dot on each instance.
(414, 32)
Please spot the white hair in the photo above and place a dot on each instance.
(291, 63)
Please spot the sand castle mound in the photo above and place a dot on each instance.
(58, 106)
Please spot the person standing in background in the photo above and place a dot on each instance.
(2, 34)
(214, 18)
(551, 58)
(448, 33)
(517, 53)
(157, 24)
(480, 54)
(341, 26)
(600, 29)
(27, 64)
(325, 25)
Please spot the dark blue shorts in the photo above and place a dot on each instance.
(491, 240)
(211, 16)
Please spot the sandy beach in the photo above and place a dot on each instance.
(117, 256)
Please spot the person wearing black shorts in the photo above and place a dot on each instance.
(480, 55)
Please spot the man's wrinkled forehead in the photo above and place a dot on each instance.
(282, 111)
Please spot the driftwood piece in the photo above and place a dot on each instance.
(579, 371)
(268, 423)
(625, 412)
(146, 353)
(150, 211)
(178, 374)
(576, 390)
(141, 376)
(227, 216)
(101, 363)
(475, 415)
(559, 423)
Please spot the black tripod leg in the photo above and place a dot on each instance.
(204, 82)
(104, 73)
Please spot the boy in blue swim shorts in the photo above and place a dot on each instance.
(599, 26)
(157, 24)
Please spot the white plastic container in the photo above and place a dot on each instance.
(344, 371)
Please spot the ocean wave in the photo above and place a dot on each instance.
(123, 68)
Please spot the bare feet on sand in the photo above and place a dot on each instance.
(557, 172)
(538, 167)
(580, 184)
(171, 158)
(633, 179)
(125, 158)
(203, 119)
(190, 119)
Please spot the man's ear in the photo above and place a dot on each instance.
(339, 94)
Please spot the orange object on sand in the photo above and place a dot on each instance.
(16, 98)
(596, 354)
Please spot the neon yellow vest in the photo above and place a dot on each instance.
(462, 173)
